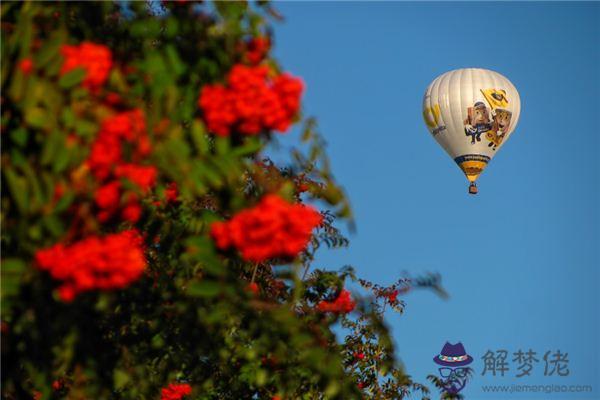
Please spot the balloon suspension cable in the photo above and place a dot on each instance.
(473, 188)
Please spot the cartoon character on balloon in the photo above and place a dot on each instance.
(478, 119)
(477, 122)
(500, 126)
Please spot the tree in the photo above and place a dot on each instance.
(149, 247)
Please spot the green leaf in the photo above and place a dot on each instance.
(72, 78)
(68, 117)
(61, 159)
(203, 288)
(13, 266)
(85, 128)
(177, 66)
(17, 187)
(54, 225)
(171, 99)
(146, 28)
(207, 174)
(12, 270)
(231, 10)
(37, 197)
(17, 86)
(117, 80)
(19, 136)
(199, 137)
(252, 146)
(51, 49)
(222, 145)
(49, 97)
(332, 389)
(64, 202)
(171, 27)
(51, 148)
(121, 378)
(38, 117)
(261, 377)
(157, 342)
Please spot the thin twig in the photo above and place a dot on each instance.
(305, 271)
(254, 272)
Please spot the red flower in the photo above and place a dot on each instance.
(342, 305)
(359, 356)
(251, 102)
(393, 296)
(58, 385)
(105, 154)
(256, 49)
(113, 99)
(132, 212)
(171, 193)
(115, 131)
(107, 165)
(26, 66)
(111, 262)
(96, 59)
(143, 176)
(71, 140)
(59, 191)
(302, 187)
(218, 109)
(126, 126)
(175, 391)
(272, 229)
(253, 288)
(108, 196)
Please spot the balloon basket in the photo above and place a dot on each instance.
(473, 188)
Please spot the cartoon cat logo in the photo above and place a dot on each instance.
(500, 126)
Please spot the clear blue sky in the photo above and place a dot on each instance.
(521, 259)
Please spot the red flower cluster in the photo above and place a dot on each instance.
(171, 193)
(96, 59)
(111, 262)
(107, 164)
(272, 229)
(26, 66)
(125, 127)
(175, 391)
(256, 49)
(253, 288)
(251, 102)
(393, 296)
(342, 305)
(58, 385)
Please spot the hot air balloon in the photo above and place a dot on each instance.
(471, 112)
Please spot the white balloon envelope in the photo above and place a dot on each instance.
(471, 113)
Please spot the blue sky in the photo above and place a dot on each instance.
(521, 259)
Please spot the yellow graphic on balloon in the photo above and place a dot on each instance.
(495, 98)
(431, 115)
(430, 112)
